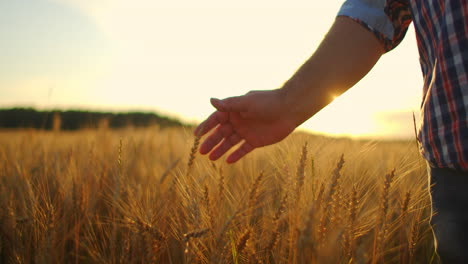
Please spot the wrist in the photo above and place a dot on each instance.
(295, 104)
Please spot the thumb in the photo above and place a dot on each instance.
(231, 104)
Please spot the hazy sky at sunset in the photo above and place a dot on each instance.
(172, 56)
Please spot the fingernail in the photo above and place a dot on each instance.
(216, 100)
(217, 103)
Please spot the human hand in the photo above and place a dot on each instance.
(257, 119)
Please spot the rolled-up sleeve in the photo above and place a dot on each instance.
(388, 20)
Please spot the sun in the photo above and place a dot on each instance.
(344, 116)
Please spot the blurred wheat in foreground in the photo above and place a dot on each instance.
(145, 196)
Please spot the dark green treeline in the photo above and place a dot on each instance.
(74, 119)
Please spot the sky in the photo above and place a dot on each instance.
(172, 56)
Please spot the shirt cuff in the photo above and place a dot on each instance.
(371, 15)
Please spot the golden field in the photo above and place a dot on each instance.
(146, 196)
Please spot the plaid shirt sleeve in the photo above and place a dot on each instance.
(388, 20)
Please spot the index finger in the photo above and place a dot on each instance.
(212, 121)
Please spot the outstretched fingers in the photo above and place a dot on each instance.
(221, 132)
(212, 121)
(226, 145)
(243, 150)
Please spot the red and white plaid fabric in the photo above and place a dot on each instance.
(442, 36)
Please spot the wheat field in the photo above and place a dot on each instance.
(147, 196)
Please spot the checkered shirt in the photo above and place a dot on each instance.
(442, 35)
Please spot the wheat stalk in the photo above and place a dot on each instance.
(381, 225)
(300, 175)
(326, 216)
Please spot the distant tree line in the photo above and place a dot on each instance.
(73, 119)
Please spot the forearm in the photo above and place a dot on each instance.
(347, 53)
